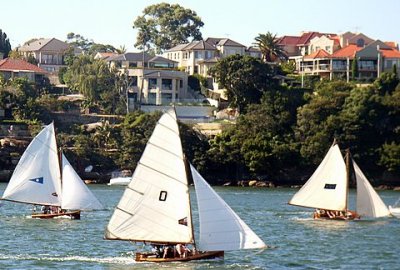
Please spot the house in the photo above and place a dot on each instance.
(17, 68)
(151, 80)
(372, 60)
(49, 53)
(104, 55)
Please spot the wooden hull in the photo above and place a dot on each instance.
(206, 255)
(69, 214)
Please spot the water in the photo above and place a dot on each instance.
(296, 240)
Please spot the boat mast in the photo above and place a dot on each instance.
(189, 176)
(59, 155)
(347, 177)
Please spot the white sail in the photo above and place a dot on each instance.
(220, 227)
(36, 178)
(368, 201)
(75, 193)
(155, 205)
(327, 187)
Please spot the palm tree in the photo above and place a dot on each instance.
(271, 51)
(121, 49)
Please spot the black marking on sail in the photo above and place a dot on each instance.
(163, 196)
(183, 221)
(330, 186)
(54, 194)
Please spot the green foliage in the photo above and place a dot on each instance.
(135, 131)
(390, 156)
(288, 67)
(163, 26)
(354, 69)
(5, 46)
(318, 121)
(387, 82)
(271, 51)
(61, 73)
(92, 78)
(196, 81)
(245, 78)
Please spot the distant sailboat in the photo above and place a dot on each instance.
(395, 209)
(327, 190)
(155, 207)
(42, 178)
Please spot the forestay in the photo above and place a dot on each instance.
(75, 193)
(220, 227)
(327, 187)
(368, 201)
(36, 178)
(155, 205)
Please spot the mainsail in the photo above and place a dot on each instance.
(36, 178)
(155, 205)
(327, 187)
(368, 201)
(75, 193)
(220, 227)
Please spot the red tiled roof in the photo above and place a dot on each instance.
(392, 44)
(288, 40)
(392, 53)
(9, 64)
(336, 39)
(348, 51)
(318, 54)
(306, 37)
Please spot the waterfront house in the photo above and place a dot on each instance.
(150, 80)
(49, 53)
(17, 68)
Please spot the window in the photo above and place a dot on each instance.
(132, 64)
(166, 84)
(151, 98)
(197, 55)
(180, 83)
(133, 80)
(152, 83)
(166, 98)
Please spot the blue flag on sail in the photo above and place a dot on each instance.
(38, 180)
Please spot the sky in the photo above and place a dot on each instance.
(110, 22)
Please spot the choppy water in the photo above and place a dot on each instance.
(296, 240)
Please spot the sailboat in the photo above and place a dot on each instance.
(328, 188)
(44, 177)
(395, 209)
(156, 209)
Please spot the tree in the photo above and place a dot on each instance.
(354, 69)
(5, 46)
(92, 78)
(163, 26)
(318, 121)
(271, 51)
(244, 78)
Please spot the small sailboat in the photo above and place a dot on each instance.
(327, 190)
(395, 209)
(155, 208)
(44, 177)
